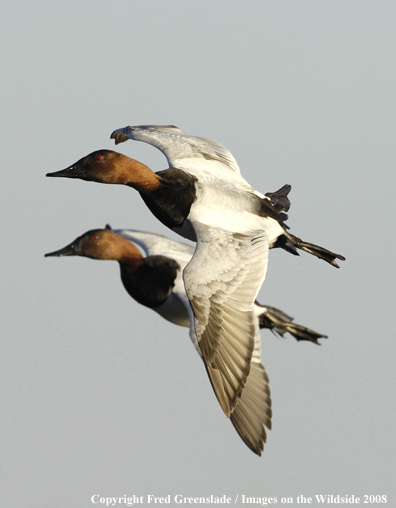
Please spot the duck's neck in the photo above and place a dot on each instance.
(139, 176)
(129, 256)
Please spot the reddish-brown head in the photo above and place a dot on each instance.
(107, 166)
(102, 244)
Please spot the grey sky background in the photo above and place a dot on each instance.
(100, 395)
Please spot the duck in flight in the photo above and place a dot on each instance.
(203, 197)
(155, 281)
(199, 169)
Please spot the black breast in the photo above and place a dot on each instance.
(152, 283)
(172, 200)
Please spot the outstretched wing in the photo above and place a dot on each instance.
(253, 410)
(222, 281)
(177, 146)
(153, 244)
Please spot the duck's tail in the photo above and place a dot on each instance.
(281, 202)
(319, 252)
(280, 323)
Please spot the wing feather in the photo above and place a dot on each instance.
(253, 410)
(222, 281)
(235, 371)
(176, 145)
(153, 244)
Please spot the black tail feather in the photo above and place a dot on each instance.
(279, 198)
(315, 250)
(280, 323)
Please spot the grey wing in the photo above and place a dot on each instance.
(253, 410)
(176, 145)
(222, 281)
(153, 244)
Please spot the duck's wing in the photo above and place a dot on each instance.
(153, 244)
(253, 410)
(179, 148)
(222, 281)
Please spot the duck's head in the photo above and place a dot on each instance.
(107, 166)
(101, 244)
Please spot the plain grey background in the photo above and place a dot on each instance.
(100, 395)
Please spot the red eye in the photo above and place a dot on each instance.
(96, 237)
(100, 157)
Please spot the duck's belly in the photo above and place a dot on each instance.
(232, 212)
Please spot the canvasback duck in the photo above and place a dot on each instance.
(155, 281)
(203, 178)
(202, 157)
(234, 227)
